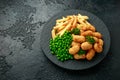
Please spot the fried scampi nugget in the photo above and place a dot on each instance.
(90, 27)
(84, 28)
(75, 44)
(78, 38)
(77, 56)
(90, 54)
(97, 34)
(74, 49)
(86, 46)
(81, 31)
(96, 39)
(98, 48)
(87, 33)
(100, 42)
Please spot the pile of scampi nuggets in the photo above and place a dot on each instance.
(79, 41)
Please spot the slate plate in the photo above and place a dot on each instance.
(73, 64)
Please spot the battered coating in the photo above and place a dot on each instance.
(77, 56)
(78, 38)
(97, 34)
(98, 48)
(87, 33)
(100, 42)
(90, 54)
(73, 50)
(96, 39)
(86, 46)
(75, 43)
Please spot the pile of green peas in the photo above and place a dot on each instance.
(60, 45)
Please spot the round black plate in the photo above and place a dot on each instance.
(73, 64)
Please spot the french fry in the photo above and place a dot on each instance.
(53, 33)
(87, 23)
(75, 22)
(60, 28)
(90, 27)
(62, 20)
(81, 21)
(79, 26)
(59, 23)
(66, 28)
(62, 24)
(83, 17)
(71, 22)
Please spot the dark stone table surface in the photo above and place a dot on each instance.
(21, 23)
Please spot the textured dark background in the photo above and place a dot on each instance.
(21, 23)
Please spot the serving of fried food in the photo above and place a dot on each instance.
(73, 37)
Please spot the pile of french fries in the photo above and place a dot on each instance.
(68, 23)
